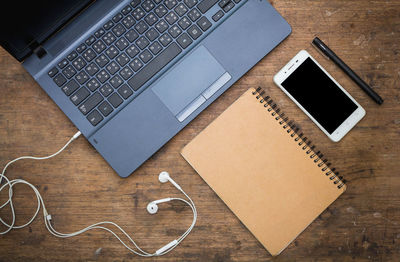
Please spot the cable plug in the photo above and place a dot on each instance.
(76, 135)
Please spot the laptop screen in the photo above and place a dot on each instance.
(26, 24)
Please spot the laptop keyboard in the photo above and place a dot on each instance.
(128, 50)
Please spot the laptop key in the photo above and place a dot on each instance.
(79, 63)
(151, 19)
(142, 42)
(229, 6)
(152, 34)
(115, 100)
(155, 48)
(181, 9)
(106, 90)
(95, 118)
(125, 91)
(148, 5)
(131, 35)
(122, 44)
(105, 108)
(99, 33)
(117, 18)
(112, 52)
(112, 68)
(174, 31)
(170, 3)
(126, 10)
(102, 60)
(81, 48)
(162, 26)
(184, 23)
(136, 64)
(146, 56)
(116, 81)
(99, 46)
(126, 73)
(82, 77)
(90, 40)
(63, 63)
(79, 96)
(223, 3)
(184, 40)
(194, 15)
(141, 27)
(194, 31)
(108, 25)
(70, 87)
(103, 76)
(205, 5)
(92, 69)
(190, 3)
(165, 39)
(128, 21)
(72, 56)
(59, 80)
(93, 84)
(53, 72)
(89, 55)
(218, 15)
(204, 23)
(119, 30)
(161, 11)
(135, 3)
(69, 71)
(138, 13)
(90, 103)
(122, 59)
(171, 17)
(109, 38)
(132, 51)
(159, 62)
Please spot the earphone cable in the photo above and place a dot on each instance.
(11, 183)
(101, 225)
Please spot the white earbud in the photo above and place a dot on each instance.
(164, 177)
(152, 207)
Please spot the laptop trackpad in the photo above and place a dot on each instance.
(190, 83)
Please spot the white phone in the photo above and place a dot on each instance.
(315, 91)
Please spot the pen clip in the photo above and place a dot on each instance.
(319, 51)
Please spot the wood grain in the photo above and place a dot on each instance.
(80, 188)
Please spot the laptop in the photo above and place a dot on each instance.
(131, 74)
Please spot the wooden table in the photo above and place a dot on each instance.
(80, 188)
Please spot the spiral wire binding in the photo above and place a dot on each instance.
(299, 137)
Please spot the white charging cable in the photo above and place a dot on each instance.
(152, 209)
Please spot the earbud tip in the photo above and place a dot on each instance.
(152, 208)
(163, 177)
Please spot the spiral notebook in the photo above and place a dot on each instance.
(264, 169)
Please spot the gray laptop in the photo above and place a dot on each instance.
(131, 74)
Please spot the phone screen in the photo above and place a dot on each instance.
(319, 95)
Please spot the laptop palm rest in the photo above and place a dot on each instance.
(190, 83)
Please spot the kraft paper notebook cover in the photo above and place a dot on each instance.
(264, 169)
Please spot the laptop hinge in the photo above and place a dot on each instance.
(38, 50)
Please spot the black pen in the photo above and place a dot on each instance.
(331, 55)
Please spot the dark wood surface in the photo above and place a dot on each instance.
(80, 188)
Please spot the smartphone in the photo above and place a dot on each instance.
(320, 97)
